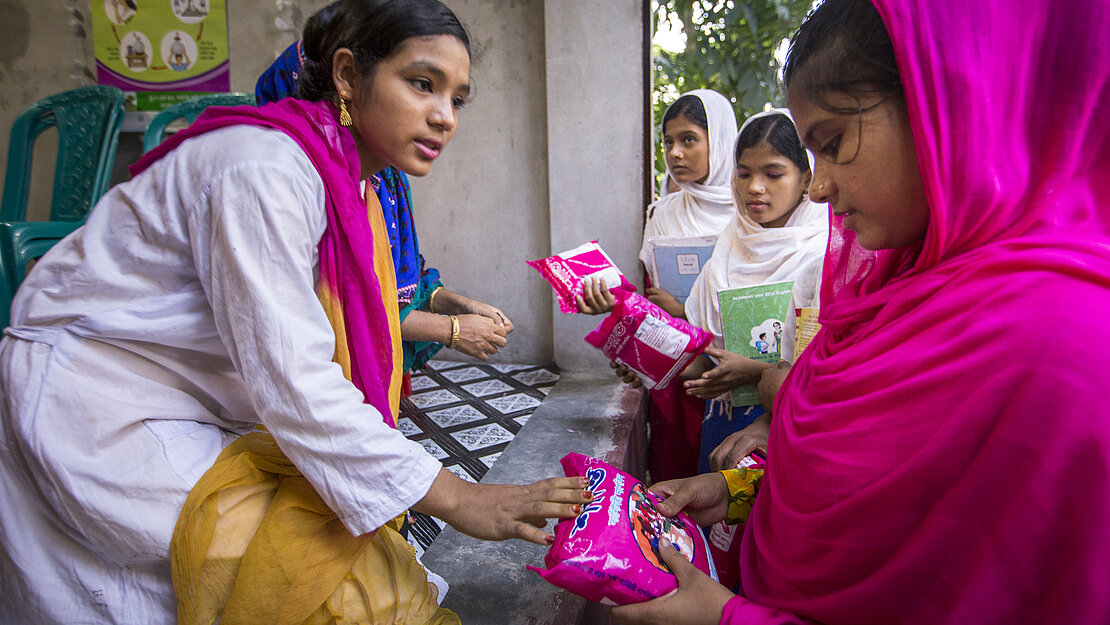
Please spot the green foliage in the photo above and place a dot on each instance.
(730, 48)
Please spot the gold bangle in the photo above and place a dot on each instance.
(432, 299)
(454, 332)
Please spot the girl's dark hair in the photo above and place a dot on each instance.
(372, 30)
(690, 107)
(778, 131)
(844, 47)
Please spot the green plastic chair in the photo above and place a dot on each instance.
(88, 121)
(189, 110)
(20, 243)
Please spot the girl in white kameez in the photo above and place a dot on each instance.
(217, 292)
(777, 234)
(699, 125)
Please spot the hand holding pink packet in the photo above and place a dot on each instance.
(644, 337)
(609, 553)
(567, 271)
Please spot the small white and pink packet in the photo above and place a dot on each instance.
(653, 344)
(609, 553)
(567, 271)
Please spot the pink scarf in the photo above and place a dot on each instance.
(941, 452)
(347, 274)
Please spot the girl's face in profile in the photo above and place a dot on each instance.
(686, 147)
(409, 111)
(866, 167)
(767, 185)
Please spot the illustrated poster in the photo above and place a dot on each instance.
(161, 46)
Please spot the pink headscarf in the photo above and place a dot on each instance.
(941, 451)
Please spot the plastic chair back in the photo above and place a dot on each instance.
(88, 121)
(189, 110)
(20, 243)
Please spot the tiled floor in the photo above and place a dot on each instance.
(465, 415)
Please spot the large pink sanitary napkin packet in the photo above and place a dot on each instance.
(567, 271)
(644, 337)
(609, 553)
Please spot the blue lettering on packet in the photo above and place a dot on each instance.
(616, 500)
(596, 477)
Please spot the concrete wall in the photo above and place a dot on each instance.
(595, 133)
(548, 155)
(482, 211)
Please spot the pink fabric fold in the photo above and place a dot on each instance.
(941, 451)
(347, 247)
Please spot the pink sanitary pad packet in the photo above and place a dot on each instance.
(610, 552)
(567, 271)
(652, 343)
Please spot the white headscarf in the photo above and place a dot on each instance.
(747, 254)
(706, 208)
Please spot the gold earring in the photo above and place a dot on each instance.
(344, 116)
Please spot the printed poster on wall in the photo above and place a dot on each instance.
(147, 46)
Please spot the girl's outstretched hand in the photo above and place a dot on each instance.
(596, 298)
(698, 600)
(503, 511)
(704, 497)
(739, 444)
(732, 370)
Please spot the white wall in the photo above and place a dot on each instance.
(548, 155)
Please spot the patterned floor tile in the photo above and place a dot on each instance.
(443, 365)
(465, 374)
(484, 436)
(434, 449)
(407, 427)
(537, 377)
(514, 403)
(422, 383)
(431, 399)
(510, 368)
(487, 388)
(456, 415)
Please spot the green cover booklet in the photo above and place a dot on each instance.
(754, 322)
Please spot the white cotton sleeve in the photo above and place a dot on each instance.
(255, 234)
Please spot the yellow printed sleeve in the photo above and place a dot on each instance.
(743, 484)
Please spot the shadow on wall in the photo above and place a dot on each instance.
(15, 34)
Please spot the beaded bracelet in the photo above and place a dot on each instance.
(454, 332)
